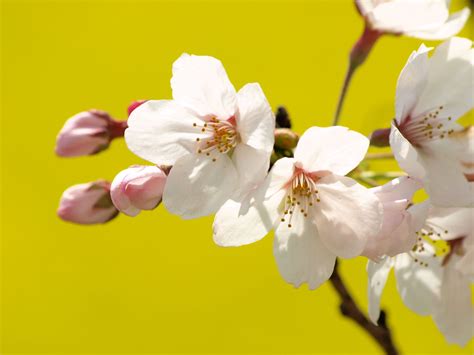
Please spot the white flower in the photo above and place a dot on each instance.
(465, 141)
(316, 211)
(432, 93)
(434, 278)
(424, 19)
(394, 237)
(218, 141)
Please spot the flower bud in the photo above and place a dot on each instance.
(380, 137)
(134, 105)
(88, 133)
(285, 138)
(88, 203)
(138, 188)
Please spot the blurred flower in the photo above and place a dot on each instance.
(465, 141)
(88, 203)
(433, 280)
(395, 236)
(138, 188)
(218, 141)
(316, 211)
(432, 93)
(88, 133)
(424, 19)
(134, 105)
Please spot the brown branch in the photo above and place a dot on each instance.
(349, 309)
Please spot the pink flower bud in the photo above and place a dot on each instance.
(134, 105)
(88, 133)
(88, 203)
(285, 138)
(138, 188)
(380, 137)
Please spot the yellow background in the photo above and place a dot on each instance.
(156, 284)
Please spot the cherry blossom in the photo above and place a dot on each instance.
(218, 141)
(316, 211)
(432, 93)
(434, 277)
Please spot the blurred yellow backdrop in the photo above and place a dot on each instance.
(156, 284)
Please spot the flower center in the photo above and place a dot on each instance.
(434, 235)
(301, 195)
(222, 136)
(429, 126)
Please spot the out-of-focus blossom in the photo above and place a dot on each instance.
(434, 277)
(432, 93)
(134, 105)
(465, 141)
(395, 236)
(88, 203)
(138, 188)
(424, 19)
(316, 211)
(218, 141)
(87, 133)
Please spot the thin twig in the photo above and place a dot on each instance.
(347, 80)
(349, 308)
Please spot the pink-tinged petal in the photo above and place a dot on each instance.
(197, 186)
(450, 81)
(255, 119)
(347, 215)
(200, 83)
(378, 275)
(411, 83)
(251, 164)
(454, 314)
(418, 285)
(406, 154)
(465, 265)
(138, 188)
(247, 220)
(88, 203)
(450, 28)
(162, 131)
(300, 255)
(402, 16)
(401, 188)
(335, 149)
(419, 213)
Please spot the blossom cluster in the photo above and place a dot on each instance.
(215, 150)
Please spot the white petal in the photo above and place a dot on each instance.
(198, 186)
(255, 120)
(450, 80)
(419, 286)
(280, 174)
(201, 84)
(406, 154)
(248, 220)
(419, 214)
(251, 164)
(454, 314)
(336, 149)
(466, 264)
(411, 83)
(445, 183)
(450, 28)
(451, 223)
(347, 215)
(378, 275)
(161, 131)
(401, 16)
(401, 188)
(300, 255)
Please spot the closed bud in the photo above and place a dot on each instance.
(380, 137)
(88, 133)
(285, 138)
(88, 203)
(138, 188)
(134, 105)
